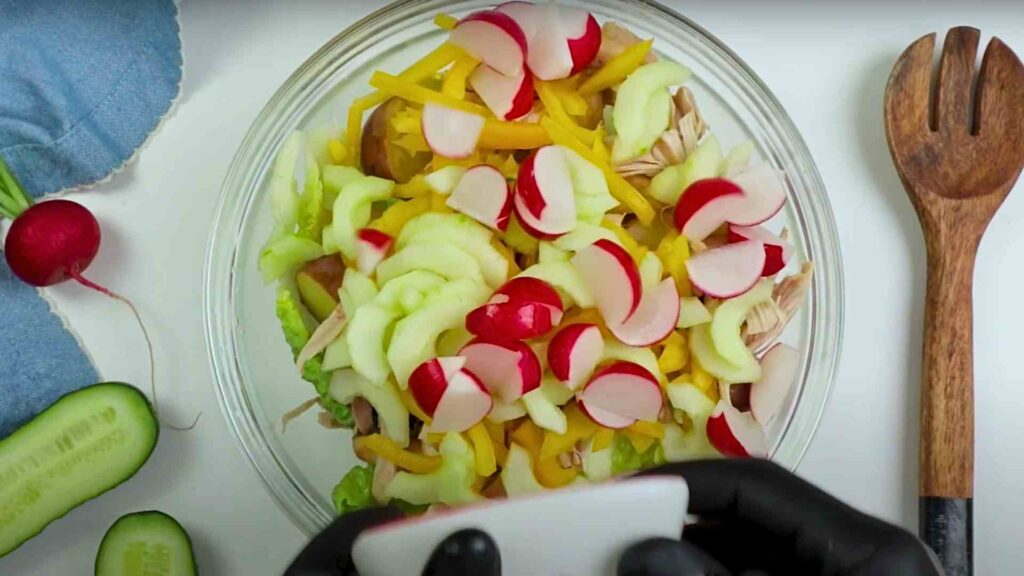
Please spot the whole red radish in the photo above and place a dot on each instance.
(54, 241)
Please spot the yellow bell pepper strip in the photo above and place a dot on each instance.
(412, 406)
(420, 70)
(484, 450)
(438, 203)
(701, 378)
(578, 427)
(529, 436)
(497, 433)
(386, 448)
(413, 143)
(336, 150)
(553, 106)
(408, 121)
(395, 217)
(414, 188)
(622, 190)
(617, 69)
(654, 430)
(602, 440)
(675, 353)
(550, 473)
(445, 22)
(572, 102)
(640, 442)
(673, 251)
(454, 83)
(498, 135)
(412, 92)
(600, 150)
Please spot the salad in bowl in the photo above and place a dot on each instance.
(527, 261)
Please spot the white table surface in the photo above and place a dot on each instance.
(828, 66)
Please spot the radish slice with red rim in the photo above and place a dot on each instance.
(574, 352)
(483, 194)
(508, 97)
(727, 271)
(625, 390)
(654, 319)
(735, 433)
(494, 38)
(779, 367)
(449, 132)
(507, 368)
(612, 277)
(777, 251)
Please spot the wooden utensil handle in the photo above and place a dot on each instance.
(947, 403)
(947, 384)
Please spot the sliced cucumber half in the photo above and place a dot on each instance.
(146, 544)
(84, 444)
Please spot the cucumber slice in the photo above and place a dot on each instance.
(728, 319)
(590, 189)
(286, 253)
(705, 162)
(584, 235)
(562, 275)
(84, 444)
(144, 544)
(284, 198)
(337, 355)
(352, 209)
(642, 106)
(414, 340)
(367, 340)
(650, 271)
(440, 257)
(357, 289)
(393, 294)
(642, 356)
(549, 252)
(462, 232)
(384, 397)
(543, 411)
(703, 349)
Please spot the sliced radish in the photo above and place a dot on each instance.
(620, 394)
(735, 433)
(510, 321)
(527, 290)
(562, 40)
(583, 46)
(508, 97)
(483, 195)
(612, 276)
(777, 251)
(453, 397)
(508, 368)
(545, 187)
(764, 194)
(449, 132)
(533, 226)
(728, 270)
(705, 205)
(778, 373)
(654, 319)
(574, 352)
(371, 247)
(494, 38)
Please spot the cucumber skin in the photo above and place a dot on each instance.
(168, 521)
(26, 429)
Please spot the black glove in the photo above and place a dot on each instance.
(463, 553)
(756, 518)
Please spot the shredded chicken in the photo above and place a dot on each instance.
(686, 127)
(362, 413)
(787, 297)
(383, 472)
(324, 334)
(296, 412)
(614, 39)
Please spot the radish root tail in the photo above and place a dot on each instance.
(77, 276)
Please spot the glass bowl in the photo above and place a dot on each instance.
(255, 376)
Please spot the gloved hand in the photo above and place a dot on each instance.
(756, 518)
(463, 553)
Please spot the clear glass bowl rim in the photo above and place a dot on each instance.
(281, 112)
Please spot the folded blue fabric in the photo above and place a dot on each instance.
(40, 361)
(82, 84)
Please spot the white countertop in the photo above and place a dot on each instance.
(827, 65)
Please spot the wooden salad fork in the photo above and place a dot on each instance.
(958, 152)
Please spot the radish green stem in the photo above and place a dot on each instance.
(77, 276)
(6, 213)
(12, 198)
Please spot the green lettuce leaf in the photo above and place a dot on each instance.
(296, 333)
(625, 458)
(353, 492)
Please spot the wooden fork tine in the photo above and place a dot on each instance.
(909, 90)
(1001, 88)
(956, 73)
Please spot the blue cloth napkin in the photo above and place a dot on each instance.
(82, 85)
